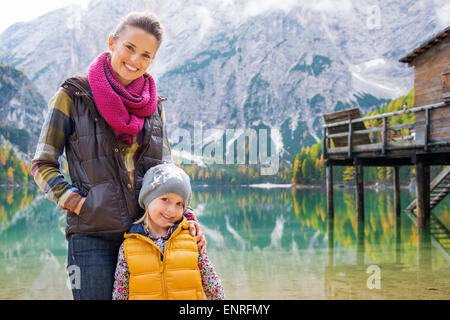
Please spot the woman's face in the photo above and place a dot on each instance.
(131, 53)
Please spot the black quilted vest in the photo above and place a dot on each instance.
(97, 169)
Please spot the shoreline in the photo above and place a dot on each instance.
(15, 185)
(255, 185)
(299, 186)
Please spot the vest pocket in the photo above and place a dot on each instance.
(102, 210)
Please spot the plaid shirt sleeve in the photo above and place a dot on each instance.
(45, 167)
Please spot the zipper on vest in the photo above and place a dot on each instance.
(163, 261)
(151, 124)
(163, 277)
(148, 144)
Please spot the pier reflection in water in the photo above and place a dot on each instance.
(265, 243)
(400, 278)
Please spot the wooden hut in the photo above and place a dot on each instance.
(431, 62)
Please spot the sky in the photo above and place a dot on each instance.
(13, 11)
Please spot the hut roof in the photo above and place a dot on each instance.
(426, 45)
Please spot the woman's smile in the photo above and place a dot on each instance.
(130, 67)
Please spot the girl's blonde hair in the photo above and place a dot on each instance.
(145, 218)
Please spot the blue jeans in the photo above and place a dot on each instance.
(91, 265)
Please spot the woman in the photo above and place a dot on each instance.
(111, 125)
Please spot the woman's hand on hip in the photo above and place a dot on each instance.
(199, 233)
(79, 205)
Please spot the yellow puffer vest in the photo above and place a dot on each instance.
(172, 275)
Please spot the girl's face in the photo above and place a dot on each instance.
(163, 212)
(132, 53)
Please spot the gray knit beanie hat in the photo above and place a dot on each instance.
(162, 179)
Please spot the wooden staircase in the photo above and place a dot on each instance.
(440, 233)
(439, 188)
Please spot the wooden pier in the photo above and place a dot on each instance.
(349, 139)
(428, 143)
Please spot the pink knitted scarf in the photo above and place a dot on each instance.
(123, 108)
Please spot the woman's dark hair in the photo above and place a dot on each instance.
(147, 21)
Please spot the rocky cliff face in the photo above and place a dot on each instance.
(243, 64)
(21, 107)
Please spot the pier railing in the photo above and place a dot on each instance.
(374, 135)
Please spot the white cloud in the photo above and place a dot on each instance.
(26, 10)
(206, 21)
(443, 15)
(329, 5)
(257, 7)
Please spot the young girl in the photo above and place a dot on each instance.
(159, 258)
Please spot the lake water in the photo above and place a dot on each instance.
(265, 243)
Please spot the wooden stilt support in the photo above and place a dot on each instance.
(330, 241)
(360, 243)
(423, 193)
(359, 179)
(424, 257)
(398, 239)
(397, 191)
(330, 202)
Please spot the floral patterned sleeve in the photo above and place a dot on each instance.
(121, 277)
(212, 286)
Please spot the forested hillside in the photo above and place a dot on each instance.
(12, 169)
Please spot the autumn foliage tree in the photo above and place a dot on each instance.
(12, 169)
